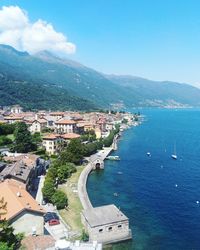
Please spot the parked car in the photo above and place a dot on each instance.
(53, 222)
(49, 216)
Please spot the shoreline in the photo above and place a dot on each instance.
(97, 161)
(82, 182)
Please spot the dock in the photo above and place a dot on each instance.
(105, 224)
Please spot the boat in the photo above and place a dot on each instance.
(148, 153)
(113, 158)
(174, 155)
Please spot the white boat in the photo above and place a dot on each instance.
(174, 155)
(113, 157)
(148, 153)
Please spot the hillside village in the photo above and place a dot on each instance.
(22, 175)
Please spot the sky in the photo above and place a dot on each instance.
(154, 39)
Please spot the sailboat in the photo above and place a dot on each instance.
(174, 155)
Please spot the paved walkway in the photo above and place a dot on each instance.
(39, 196)
(82, 191)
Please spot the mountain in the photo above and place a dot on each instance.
(78, 80)
(19, 86)
(45, 81)
(158, 93)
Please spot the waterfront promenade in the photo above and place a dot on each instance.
(82, 182)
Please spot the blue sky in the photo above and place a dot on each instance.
(159, 40)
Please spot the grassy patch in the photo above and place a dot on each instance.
(11, 136)
(71, 215)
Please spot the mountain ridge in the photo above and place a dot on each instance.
(74, 80)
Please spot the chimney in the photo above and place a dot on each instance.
(19, 194)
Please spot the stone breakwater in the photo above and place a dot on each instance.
(82, 182)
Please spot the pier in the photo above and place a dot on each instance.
(82, 182)
(105, 224)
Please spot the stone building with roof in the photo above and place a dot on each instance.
(96, 162)
(106, 224)
(22, 211)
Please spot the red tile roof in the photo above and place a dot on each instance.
(51, 137)
(65, 122)
(17, 198)
(70, 136)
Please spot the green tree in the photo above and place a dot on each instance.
(60, 199)
(6, 129)
(23, 142)
(36, 137)
(65, 171)
(73, 153)
(4, 140)
(5, 246)
(48, 189)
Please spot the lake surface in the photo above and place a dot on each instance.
(157, 193)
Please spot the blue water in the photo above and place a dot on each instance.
(162, 215)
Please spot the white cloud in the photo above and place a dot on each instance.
(17, 30)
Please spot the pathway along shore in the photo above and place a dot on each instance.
(82, 182)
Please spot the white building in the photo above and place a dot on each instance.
(16, 109)
(38, 125)
(51, 142)
(77, 245)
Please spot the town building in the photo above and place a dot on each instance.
(23, 168)
(14, 118)
(65, 126)
(63, 244)
(96, 162)
(22, 211)
(58, 115)
(69, 137)
(16, 109)
(106, 224)
(37, 125)
(51, 143)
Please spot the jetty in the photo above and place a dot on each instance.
(105, 224)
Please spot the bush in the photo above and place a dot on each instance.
(5, 140)
(84, 236)
(59, 199)
(6, 129)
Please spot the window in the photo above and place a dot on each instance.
(100, 230)
(119, 226)
(110, 229)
